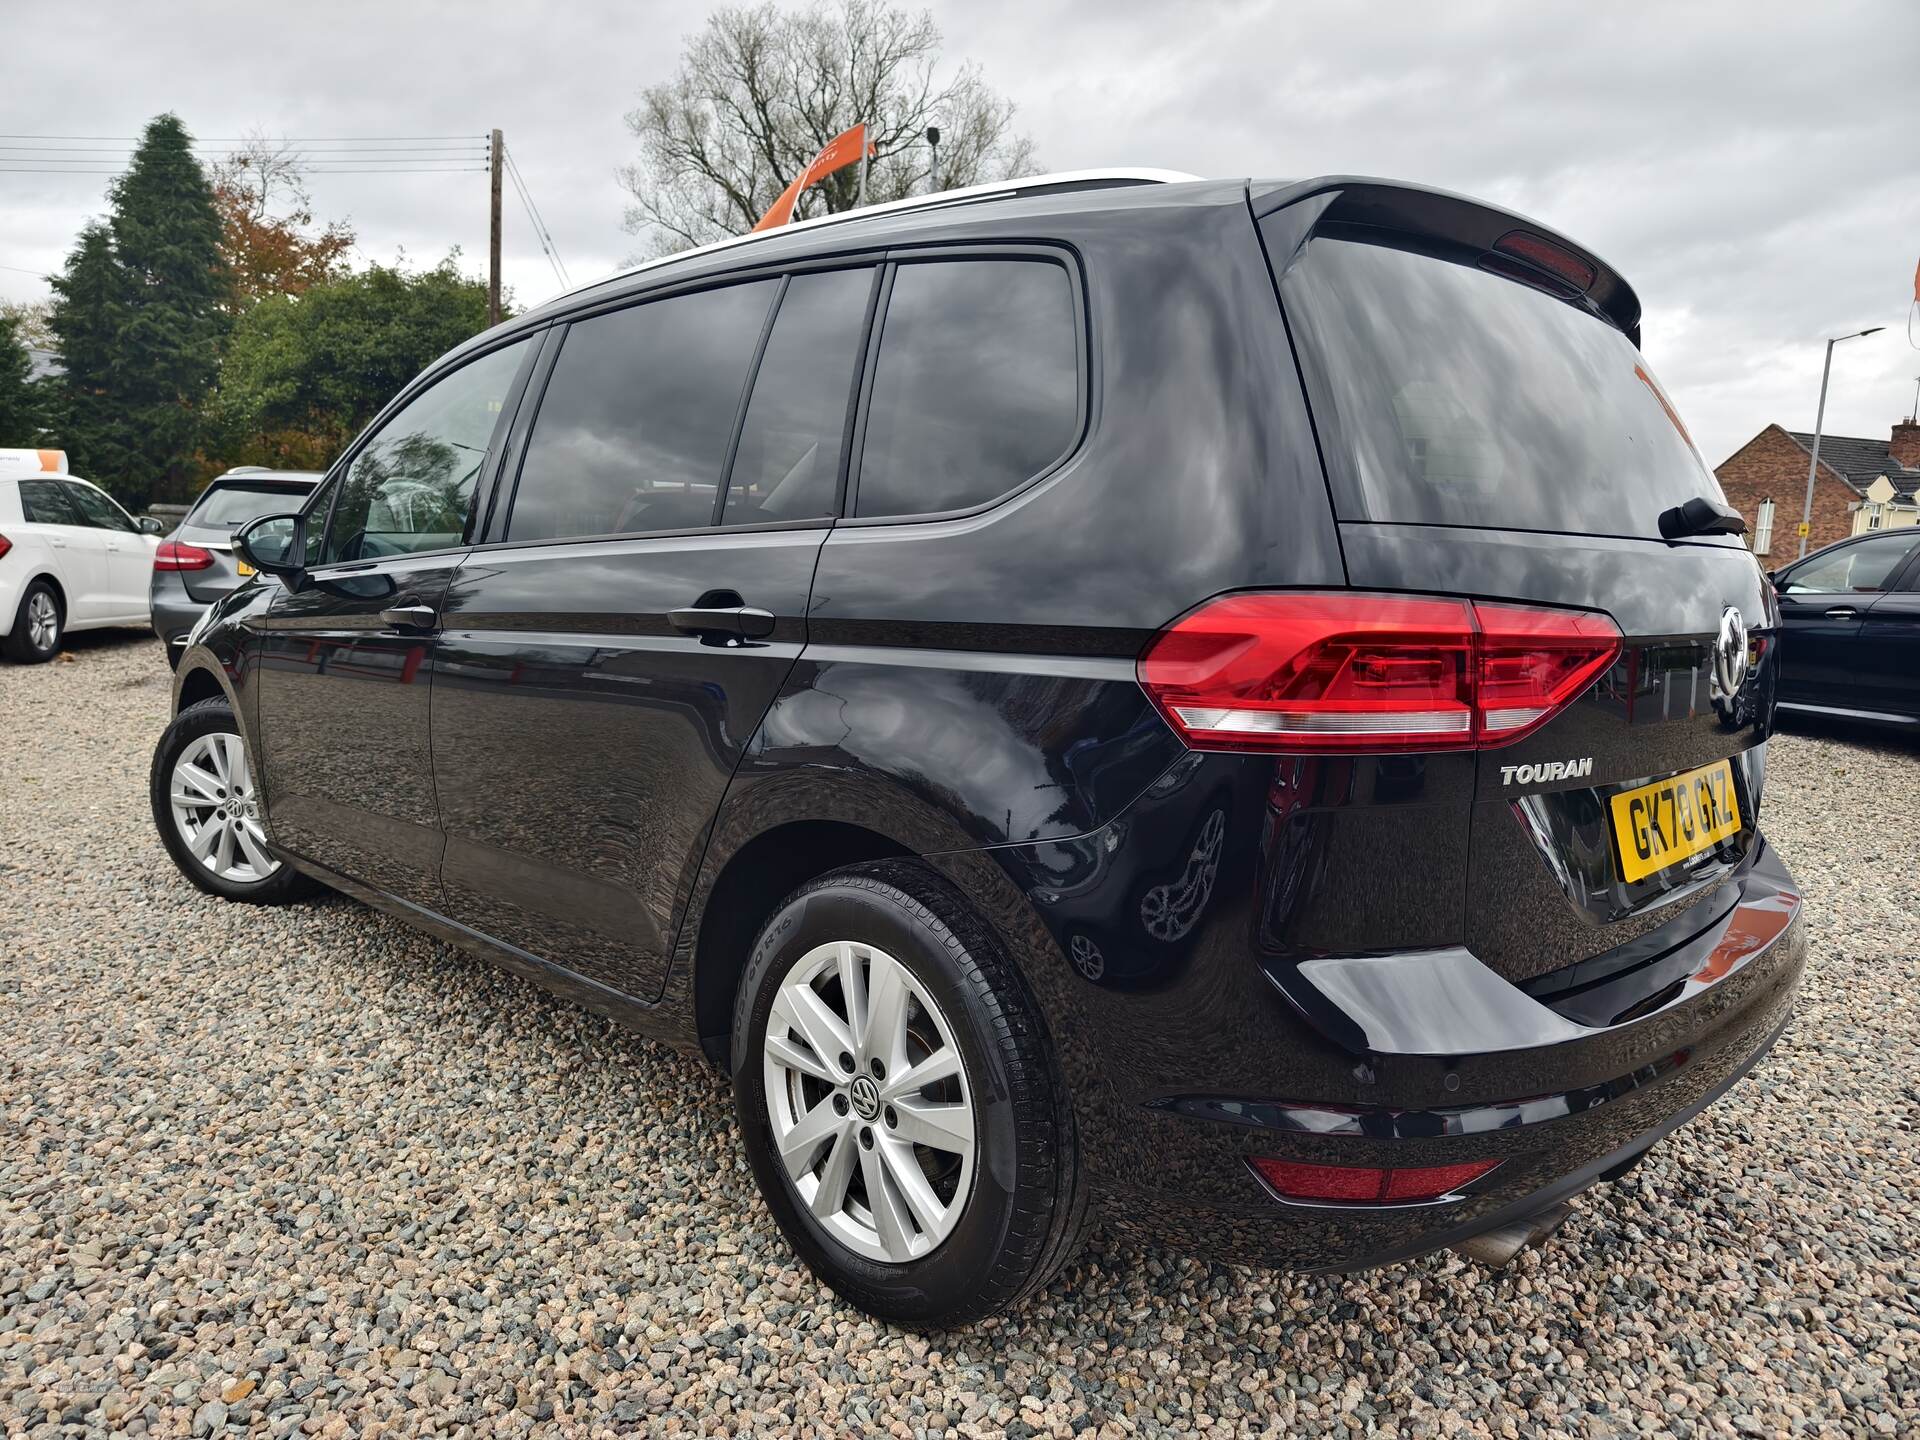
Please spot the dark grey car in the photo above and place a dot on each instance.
(195, 565)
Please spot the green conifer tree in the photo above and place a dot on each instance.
(83, 416)
(19, 398)
(166, 241)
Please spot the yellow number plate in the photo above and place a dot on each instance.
(242, 569)
(1658, 825)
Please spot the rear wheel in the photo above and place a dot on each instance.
(207, 806)
(898, 1102)
(37, 626)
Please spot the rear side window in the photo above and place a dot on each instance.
(633, 430)
(976, 387)
(1867, 565)
(787, 465)
(43, 502)
(1446, 395)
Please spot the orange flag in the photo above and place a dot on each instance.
(841, 151)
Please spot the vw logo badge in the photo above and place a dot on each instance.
(1730, 655)
(865, 1096)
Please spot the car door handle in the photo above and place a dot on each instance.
(722, 622)
(1842, 612)
(411, 617)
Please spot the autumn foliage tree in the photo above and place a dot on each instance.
(761, 90)
(268, 238)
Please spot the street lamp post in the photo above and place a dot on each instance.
(1819, 423)
(933, 159)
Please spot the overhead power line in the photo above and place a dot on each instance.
(540, 231)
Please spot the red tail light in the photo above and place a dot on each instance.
(1303, 672)
(1556, 259)
(174, 555)
(5, 545)
(1366, 1184)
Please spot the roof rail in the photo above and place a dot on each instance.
(966, 195)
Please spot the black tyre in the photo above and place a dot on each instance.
(899, 1103)
(207, 807)
(38, 625)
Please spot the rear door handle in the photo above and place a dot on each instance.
(722, 622)
(1842, 612)
(411, 617)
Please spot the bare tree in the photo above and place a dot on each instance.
(760, 90)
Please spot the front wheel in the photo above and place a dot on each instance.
(207, 806)
(898, 1103)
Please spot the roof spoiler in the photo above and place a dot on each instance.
(1509, 244)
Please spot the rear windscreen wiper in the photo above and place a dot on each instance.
(1701, 516)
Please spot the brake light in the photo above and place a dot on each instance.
(175, 555)
(1366, 1184)
(1554, 259)
(1305, 672)
(5, 545)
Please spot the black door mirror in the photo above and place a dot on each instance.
(150, 526)
(275, 544)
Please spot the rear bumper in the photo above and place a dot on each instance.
(174, 614)
(1174, 1093)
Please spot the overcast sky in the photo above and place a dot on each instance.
(1752, 168)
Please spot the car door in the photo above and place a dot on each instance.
(1890, 646)
(1822, 601)
(129, 553)
(344, 664)
(79, 550)
(604, 665)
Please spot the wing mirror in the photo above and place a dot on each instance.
(276, 545)
(150, 526)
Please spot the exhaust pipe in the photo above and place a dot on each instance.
(1497, 1247)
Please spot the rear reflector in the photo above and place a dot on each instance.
(1343, 672)
(1366, 1184)
(174, 555)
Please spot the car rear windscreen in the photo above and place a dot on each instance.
(1448, 395)
(233, 505)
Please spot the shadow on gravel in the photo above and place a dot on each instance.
(1885, 739)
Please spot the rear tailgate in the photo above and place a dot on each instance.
(1490, 429)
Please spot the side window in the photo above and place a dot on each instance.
(411, 485)
(97, 510)
(1865, 566)
(787, 465)
(633, 429)
(976, 388)
(44, 502)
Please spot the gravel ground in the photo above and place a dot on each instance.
(307, 1171)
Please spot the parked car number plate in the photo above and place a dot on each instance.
(1661, 824)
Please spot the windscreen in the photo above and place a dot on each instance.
(1448, 395)
(233, 505)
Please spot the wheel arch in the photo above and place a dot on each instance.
(199, 682)
(743, 893)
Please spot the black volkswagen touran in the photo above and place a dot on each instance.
(1235, 708)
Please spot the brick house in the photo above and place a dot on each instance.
(1861, 485)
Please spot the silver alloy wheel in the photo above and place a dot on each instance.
(43, 620)
(867, 1092)
(216, 811)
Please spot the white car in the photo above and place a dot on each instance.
(70, 557)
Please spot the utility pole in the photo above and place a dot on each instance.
(1819, 423)
(493, 230)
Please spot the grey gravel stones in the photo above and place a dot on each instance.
(306, 1172)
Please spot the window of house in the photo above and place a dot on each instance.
(976, 388)
(633, 430)
(1763, 528)
(410, 487)
(787, 464)
(1873, 516)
